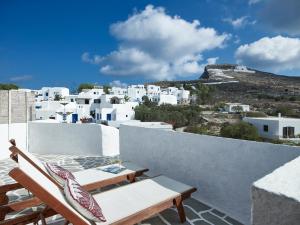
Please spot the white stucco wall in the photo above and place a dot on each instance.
(73, 139)
(276, 197)
(273, 125)
(222, 169)
(16, 131)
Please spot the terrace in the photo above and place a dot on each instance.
(232, 176)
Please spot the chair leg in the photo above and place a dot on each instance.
(3, 201)
(180, 209)
(131, 178)
(3, 198)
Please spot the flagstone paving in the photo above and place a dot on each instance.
(197, 212)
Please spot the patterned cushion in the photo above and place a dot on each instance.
(83, 201)
(58, 173)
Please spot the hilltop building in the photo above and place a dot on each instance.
(236, 107)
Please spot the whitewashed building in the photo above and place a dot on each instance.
(49, 93)
(136, 92)
(118, 91)
(276, 127)
(46, 110)
(153, 92)
(183, 96)
(115, 108)
(236, 107)
(87, 102)
(167, 99)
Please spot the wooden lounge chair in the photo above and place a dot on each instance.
(96, 179)
(124, 205)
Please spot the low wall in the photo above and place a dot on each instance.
(276, 198)
(222, 169)
(7, 132)
(73, 139)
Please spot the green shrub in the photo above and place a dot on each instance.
(85, 86)
(178, 116)
(255, 114)
(241, 130)
(8, 87)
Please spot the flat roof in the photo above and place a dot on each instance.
(273, 118)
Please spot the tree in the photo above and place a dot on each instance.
(57, 97)
(85, 86)
(241, 130)
(126, 98)
(115, 100)
(8, 87)
(106, 89)
(237, 108)
(204, 93)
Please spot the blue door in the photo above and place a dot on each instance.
(108, 117)
(74, 118)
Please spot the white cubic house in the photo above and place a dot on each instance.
(136, 92)
(153, 92)
(118, 91)
(49, 93)
(236, 107)
(276, 127)
(87, 102)
(115, 108)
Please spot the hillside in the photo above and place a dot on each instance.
(265, 91)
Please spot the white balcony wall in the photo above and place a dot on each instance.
(222, 169)
(73, 139)
(16, 131)
(276, 198)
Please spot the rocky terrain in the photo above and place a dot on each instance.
(262, 90)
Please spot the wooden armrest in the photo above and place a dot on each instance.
(19, 205)
(10, 187)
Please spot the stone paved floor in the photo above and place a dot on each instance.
(197, 212)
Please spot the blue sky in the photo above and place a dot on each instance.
(65, 43)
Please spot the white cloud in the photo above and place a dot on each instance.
(20, 78)
(239, 22)
(276, 54)
(96, 59)
(118, 83)
(158, 46)
(237, 39)
(212, 60)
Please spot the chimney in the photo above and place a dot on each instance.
(279, 115)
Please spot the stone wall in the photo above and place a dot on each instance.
(16, 106)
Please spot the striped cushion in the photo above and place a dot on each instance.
(58, 173)
(83, 201)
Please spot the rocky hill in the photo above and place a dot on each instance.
(262, 90)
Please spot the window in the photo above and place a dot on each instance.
(47, 94)
(266, 128)
(86, 101)
(126, 115)
(72, 100)
(97, 101)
